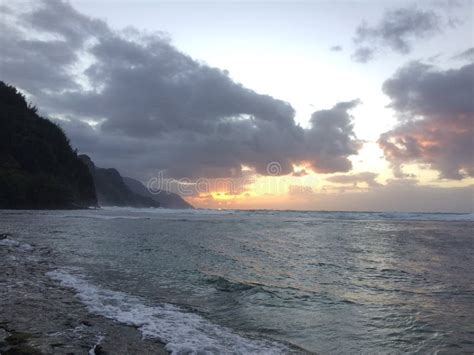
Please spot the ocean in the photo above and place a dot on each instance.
(261, 282)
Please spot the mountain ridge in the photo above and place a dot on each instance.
(111, 189)
(165, 198)
(38, 167)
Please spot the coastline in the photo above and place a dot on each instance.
(39, 316)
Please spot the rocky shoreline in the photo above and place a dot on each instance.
(39, 316)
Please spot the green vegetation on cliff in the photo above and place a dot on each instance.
(38, 168)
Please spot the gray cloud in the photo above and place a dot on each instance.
(156, 108)
(364, 177)
(396, 31)
(467, 55)
(335, 48)
(363, 54)
(394, 196)
(331, 135)
(59, 18)
(436, 119)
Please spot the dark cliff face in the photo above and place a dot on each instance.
(166, 199)
(112, 190)
(38, 168)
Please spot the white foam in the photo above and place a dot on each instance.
(92, 351)
(181, 331)
(15, 244)
(9, 243)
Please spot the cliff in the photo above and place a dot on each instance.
(164, 198)
(112, 190)
(38, 167)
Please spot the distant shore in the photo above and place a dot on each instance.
(38, 316)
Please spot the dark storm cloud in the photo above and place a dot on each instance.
(436, 119)
(364, 177)
(156, 108)
(396, 31)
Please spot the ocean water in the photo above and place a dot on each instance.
(266, 282)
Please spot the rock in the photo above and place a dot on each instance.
(86, 323)
(98, 350)
(15, 343)
(3, 335)
(21, 350)
(17, 338)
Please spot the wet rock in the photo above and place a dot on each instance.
(3, 335)
(86, 323)
(21, 350)
(98, 350)
(15, 343)
(17, 338)
(57, 345)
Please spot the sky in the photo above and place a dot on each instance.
(320, 105)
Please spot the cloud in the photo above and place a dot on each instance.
(436, 119)
(300, 173)
(298, 190)
(467, 55)
(403, 195)
(59, 18)
(335, 48)
(133, 101)
(395, 196)
(331, 139)
(397, 30)
(363, 54)
(364, 177)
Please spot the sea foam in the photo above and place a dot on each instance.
(181, 331)
(15, 244)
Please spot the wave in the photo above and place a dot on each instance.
(111, 213)
(415, 216)
(222, 284)
(7, 242)
(162, 210)
(104, 217)
(181, 331)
